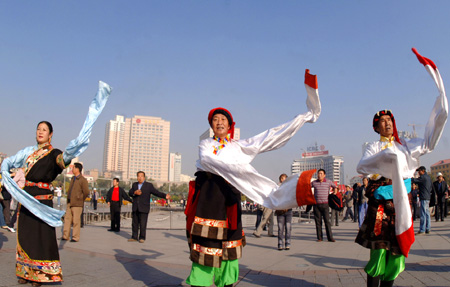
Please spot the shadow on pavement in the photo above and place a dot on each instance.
(3, 238)
(326, 261)
(261, 278)
(139, 270)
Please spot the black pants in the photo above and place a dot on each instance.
(440, 209)
(94, 202)
(322, 210)
(139, 223)
(114, 208)
(6, 211)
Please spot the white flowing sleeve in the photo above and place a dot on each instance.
(438, 117)
(277, 137)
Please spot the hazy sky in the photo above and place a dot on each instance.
(179, 59)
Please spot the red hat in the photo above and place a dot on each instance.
(227, 114)
(377, 117)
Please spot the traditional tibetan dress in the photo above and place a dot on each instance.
(214, 225)
(391, 162)
(37, 248)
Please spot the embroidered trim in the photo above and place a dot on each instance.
(231, 244)
(211, 222)
(42, 151)
(379, 220)
(37, 270)
(42, 185)
(44, 197)
(223, 142)
(60, 161)
(207, 250)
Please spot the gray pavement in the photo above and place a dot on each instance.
(103, 258)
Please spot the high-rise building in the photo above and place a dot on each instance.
(209, 134)
(112, 152)
(135, 144)
(174, 167)
(317, 159)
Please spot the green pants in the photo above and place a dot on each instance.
(384, 264)
(227, 274)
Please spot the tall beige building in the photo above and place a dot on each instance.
(143, 144)
(112, 152)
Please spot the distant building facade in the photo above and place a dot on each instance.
(174, 167)
(317, 158)
(442, 166)
(138, 143)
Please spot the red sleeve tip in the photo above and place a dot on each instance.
(424, 61)
(311, 80)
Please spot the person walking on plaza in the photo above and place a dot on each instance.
(78, 192)
(390, 163)
(425, 193)
(284, 219)
(440, 186)
(114, 198)
(224, 171)
(141, 192)
(322, 188)
(348, 202)
(266, 218)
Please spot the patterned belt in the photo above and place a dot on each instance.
(44, 197)
(43, 185)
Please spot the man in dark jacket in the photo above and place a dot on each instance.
(114, 199)
(141, 192)
(425, 188)
(440, 186)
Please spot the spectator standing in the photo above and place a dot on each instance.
(322, 188)
(425, 190)
(78, 192)
(141, 192)
(335, 203)
(362, 201)
(94, 198)
(284, 220)
(414, 201)
(440, 186)
(114, 199)
(355, 196)
(58, 195)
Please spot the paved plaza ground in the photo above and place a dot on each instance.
(103, 258)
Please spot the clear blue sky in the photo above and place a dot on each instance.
(179, 59)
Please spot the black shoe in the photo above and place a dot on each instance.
(73, 240)
(373, 281)
(111, 230)
(387, 283)
(117, 230)
(427, 231)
